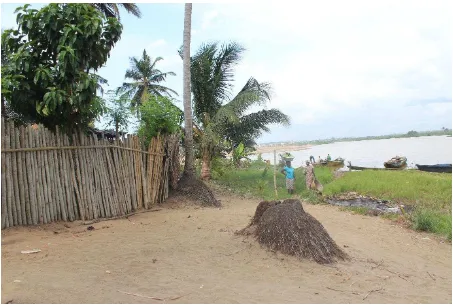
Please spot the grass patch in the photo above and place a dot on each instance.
(258, 180)
(430, 221)
(429, 193)
(420, 189)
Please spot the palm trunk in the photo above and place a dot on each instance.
(206, 165)
(189, 168)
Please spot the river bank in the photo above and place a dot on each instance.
(280, 148)
(426, 195)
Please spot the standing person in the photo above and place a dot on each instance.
(309, 175)
(288, 171)
(328, 157)
(319, 159)
(312, 159)
(310, 179)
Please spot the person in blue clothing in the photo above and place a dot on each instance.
(288, 171)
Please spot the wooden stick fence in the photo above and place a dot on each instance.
(45, 178)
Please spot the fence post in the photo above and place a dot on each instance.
(275, 175)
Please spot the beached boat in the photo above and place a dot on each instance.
(442, 168)
(351, 167)
(339, 162)
(396, 162)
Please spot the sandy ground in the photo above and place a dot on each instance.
(191, 255)
(280, 148)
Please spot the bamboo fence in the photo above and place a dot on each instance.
(45, 177)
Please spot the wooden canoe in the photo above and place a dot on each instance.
(396, 162)
(440, 168)
(351, 167)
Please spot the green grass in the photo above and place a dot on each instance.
(430, 194)
(431, 221)
(420, 189)
(258, 180)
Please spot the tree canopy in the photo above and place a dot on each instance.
(159, 116)
(112, 9)
(54, 53)
(146, 79)
(224, 121)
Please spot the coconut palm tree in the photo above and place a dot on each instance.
(189, 169)
(112, 9)
(218, 117)
(145, 80)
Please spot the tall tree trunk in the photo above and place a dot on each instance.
(117, 136)
(206, 165)
(189, 168)
(4, 114)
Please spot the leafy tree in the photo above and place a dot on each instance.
(158, 116)
(54, 52)
(239, 153)
(112, 9)
(219, 117)
(412, 133)
(119, 113)
(9, 80)
(146, 78)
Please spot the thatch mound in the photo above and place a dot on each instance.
(193, 188)
(260, 209)
(287, 228)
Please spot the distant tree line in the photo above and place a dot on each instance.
(443, 131)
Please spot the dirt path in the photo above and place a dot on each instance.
(167, 254)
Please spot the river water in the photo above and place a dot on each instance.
(373, 153)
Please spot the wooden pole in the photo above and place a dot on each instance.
(4, 203)
(14, 180)
(275, 174)
(24, 171)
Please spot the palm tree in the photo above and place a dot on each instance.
(220, 118)
(146, 78)
(112, 9)
(118, 113)
(189, 169)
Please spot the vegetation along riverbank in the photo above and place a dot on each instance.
(427, 197)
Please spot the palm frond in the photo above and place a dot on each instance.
(112, 10)
(132, 8)
(253, 93)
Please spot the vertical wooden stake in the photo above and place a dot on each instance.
(275, 174)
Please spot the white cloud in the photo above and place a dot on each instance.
(326, 57)
(156, 44)
(208, 18)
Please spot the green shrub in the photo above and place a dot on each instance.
(429, 221)
(158, 115)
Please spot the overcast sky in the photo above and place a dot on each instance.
(337, 68)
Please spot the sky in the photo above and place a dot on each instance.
(337, 68)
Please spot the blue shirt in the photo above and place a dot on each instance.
(289, 172)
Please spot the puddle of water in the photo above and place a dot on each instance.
(377, 205)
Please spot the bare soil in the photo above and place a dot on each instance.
(189, 254)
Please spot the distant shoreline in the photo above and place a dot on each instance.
(311, 143)
(281, 148)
